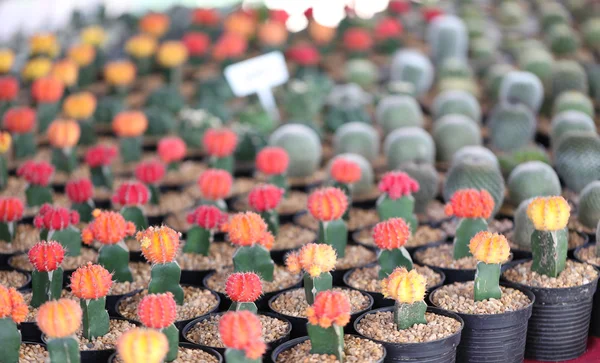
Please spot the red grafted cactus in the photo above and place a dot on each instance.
(107, 228)
(272, 160)
(304, 55)
(397, 184)
(100, 155)
(243, 287)
(219, 142)
(46, 256)
(207, 216)
(388, 28)
(91, 282)
(215, 184)
(391, 234)
(197, 43)
(327, 204)
(150, 172)
(9, 88)
(357, 40)
(12, 305)
(157, 311)
(19, 120)
(36, 173)
(265, 197)
(131, 194)
(171, 149)
(470, 203)
(55, 218)
(345, 171)
(79, 190)
(242, 330)
(11, 209)
(330, 307)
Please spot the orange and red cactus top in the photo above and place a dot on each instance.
(130, 124)
(397, 184)
(206, 17)
(327, 204)
(244, 287)
(265, 197)
(82, 54)
(345, 171)
(11, 209)
(9, 88)
(304, 55)
(246, 229)
(119, 73)
(131, 193)
(357, 39)
(330, 307)
(12, 305)
(47, 90)
(143, 345)
(278, 15)
(46, 256)
(404, 286)
(207, 217)
(155, 24)
(219, 142)
(59, 318)
(272, 33)
(215, 184)
(79, 190)
(100, 155)
(80, 106)
(36, 173)
(91, 282)
(399, 6)
(197, 43)
(171, 54)
(242, 330)
(107, 228)
(171, 149)
(431, 12)
(55, 218)
(229, 46)
(272, 160)
(549, 213)
(470, 203)
(157, 311)
(63, 134)
(150, 172)
(242, 23)
(19, 120)
(489, 247)
(388, 28)
(159, 244)
(66, 70)
(314, 258)
(391, 234)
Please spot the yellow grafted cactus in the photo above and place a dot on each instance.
(490, 249)
(44, 44)
(142, 345)
(549, 213)
(93, 35)
(317, 260)
(36, 68)
(7, 59)
(408, 289)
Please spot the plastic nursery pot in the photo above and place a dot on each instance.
(379, 301)
(299, 324)
(27, 284)
(30, 332)
(526, 254)
(262, 303)
(595, 319)
(437, 351)
(270, 346)
(112, 302)
(194, 277)
(494, 337)
(292, 343)
(103, 203)
(157, 220)
(559, 323)
(214, 353)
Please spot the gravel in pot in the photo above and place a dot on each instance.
(355, 256)
(194, 267)
(26, 237)
(359, 218)
(434, 214)
(294, 202)
(290, 237)
(17, 279)
(497, 225)
(187, 353)
(424, 236)
(33, 352)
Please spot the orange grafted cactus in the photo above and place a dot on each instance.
(246, 229)
(489, 247)
(549, 213)
(244, 287)
(327, 204)
(404, 286)
(391, 234)
(330, 307)
(272, 160)
(47, 90)
(119, 73)
(63, 134)
(142, 345)
(91, 282)
(107, 228)
(159, 244)
(59, 318)
(130, 124)
(215, 184)
(157, 311)
(172, 54)
(345, 171)
(313, 258)
(242, 330)
(470, 203)
(12, 305)
(219, 142)
(46, 256)
(80, 106)
(155, 24)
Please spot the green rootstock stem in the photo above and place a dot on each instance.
(46, 113)
(198, 241)
(238, 306)
(136, 216)
(37, 195)
(3, 173)
(390, 259)
(255, 259)
(88, 133)
(143, 65)
(87, 76)
(64, 160)
(46, 286)
(102, 177)
(549, 250)
(115, 258)
(10, 337)
(280, 180)
(154, 194)
(63, 350)
(172, 335)
(467, 228)
(24, 145)
(239, 356)
(165, 277)
(347, 189)
(220, 203)
(226, 163)
(407, 315)
(174, 76)
(84, 209)
(487, 281)
(327, 340)
(69, 238)
(398, 208)
(7, 231)
(95, 318)
(314, 285)
(271, 217)
(335, 234)
(131, 149)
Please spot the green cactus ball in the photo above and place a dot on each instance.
(303, 147)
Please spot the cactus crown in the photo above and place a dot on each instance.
(549, 213)
(242, 330)
(91, 282)
(12, 305)
(155, 24)
(171, 149)
(131, 194)
(130, 124)
(215, 184)
(330, 307)
(265, 197)
(327, 204)
(207, 217)
(5, 138)
(100, 155)
(19, 120)
(345, 171)
(59, 318)
(107, 228)
(46, 256)
(219, 142)
(357, 39)
(47, 89)
(244, 287)
(150, 172)
(489, 247)
(313, 258)
(391, 234)
(55, 218)
(397, 184)
(10, 88)
(142, 345)
(79, 190)
(272, 160)
(36, 173)
(171, 53)
(157, 311)
(11, 209)
(470, 203)
(159, 244)
(404, 286)
(246, 229)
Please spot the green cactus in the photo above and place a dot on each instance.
(511, 126)
(591, 33)
(451, 133)
(539, 62)
(523, 226)
(255, 116)
(367, 176)
(448, 38)
(411, 65)
(483, 54)
(394, 112)
(250, 141)
(428, 178)
(577, 159)
(562, 40)
(456, 102)
(346, 103)
(479, 152)
(408, 144)
(509, 161)
(303, 147)
(193, 123)
(569, 121)
(522, 87)
(511, 15)
(160, 121)
(167, 98)
(573, 101)
(493, 79)
(358, 138)
(108, 107)
(588, 211)
(400, 88)
(593, 75)
(363, 72)
(568, 75)
(554, 13)
(303, 100)
(455, 68)
(532, 179)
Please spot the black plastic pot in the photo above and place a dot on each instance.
(437, 351)
(287, 345)
(299, 324)
(156, 220)
(559, 323)
(27, 284)
(210, 351)
(112, 302)
(30, 332)
(595, 320)
(270, 346)
(378, 300)
(4, 257)
(194, 277)
(497, 337)
(103, 203)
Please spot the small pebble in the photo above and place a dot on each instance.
(293, 302)
(458, 297)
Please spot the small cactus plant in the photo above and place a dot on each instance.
(549, 241)
(568, 121)
(215, 186)
(46, 93)
(119, 75)
(357, 138)
(362, 72)
(328, 205)
(59, 320)
(509, 161)
(129, 126)
(243, 288)
(447, 35)
(326, 320)
(151, 173)
(241, 333)
(522, 87)
(453, 132)
(568, 75)
(563, 40)
(99, 158)
(391, 236)
(397, 111)
(303, 147)
(523, 226)
(205, 221)
(79, 107)
(490, 250)
(140, 49)
(47, 276)
(37, 175)
(143, 345)
(171, 55)
(364, 185)
(456, 102)
(412, 66)
(474, 207)
(346, 103)
(345, 173)
(511, 125)
(220, 145)
(91, 283)
(573, 101)
(110, 229)
(538, 61)
(132, 196)
(428, 179)
(532, 179)
(20, 122)
(408, 289)
(171, 150)
(493, 79)
(408, 144)
(63, 136)
(317, 261)
(576, 159)
(159, 311)
(5, 145)
(588, 211)
(273, 162)
(264, 200)
(11, 211)
(58, 224)
(12, 312)
(396, 200)
(160, 246)
(80, 193)
(250, 233)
